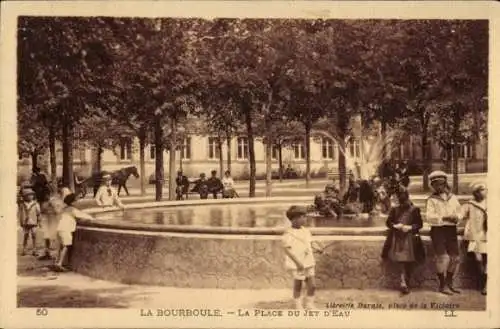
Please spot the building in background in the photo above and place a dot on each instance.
(200, 153)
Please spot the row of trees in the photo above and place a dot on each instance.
(113, 77)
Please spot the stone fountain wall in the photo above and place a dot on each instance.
(238, 261)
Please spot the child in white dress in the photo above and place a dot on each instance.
(475, 230)
(297, 241)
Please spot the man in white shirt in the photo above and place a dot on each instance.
(106, 195)
(443, 212)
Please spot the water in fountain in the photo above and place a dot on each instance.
(238, 215)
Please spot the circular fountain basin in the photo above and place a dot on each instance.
(233, 243)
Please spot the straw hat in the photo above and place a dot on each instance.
(28, 191)
(477, 186)
(295, 211)
(437, 175)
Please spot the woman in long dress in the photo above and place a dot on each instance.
(403, 245)
(228, 191)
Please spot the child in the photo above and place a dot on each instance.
(300, 259)
(475, 230)
(403, 245)
(106, 195)
(443, 212)
(66, 229)
(51, 211)
(29, 218)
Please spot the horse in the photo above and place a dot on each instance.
(118, 177)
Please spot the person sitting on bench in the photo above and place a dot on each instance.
(182, 183)
(214, 184)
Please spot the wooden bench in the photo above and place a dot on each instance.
(210, 195)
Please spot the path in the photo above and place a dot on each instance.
(37, 287)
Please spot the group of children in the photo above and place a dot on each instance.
(56, 217)
(403, 244)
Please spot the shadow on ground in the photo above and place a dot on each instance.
(58, 296)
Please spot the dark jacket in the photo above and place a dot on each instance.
(200, 186)
(214, 185)
(416, 223)
(182, 183)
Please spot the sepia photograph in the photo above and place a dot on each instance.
(250, 168)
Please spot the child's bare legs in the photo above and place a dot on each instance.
(47, 247)
(481, 262)
(29, 231)
(311, 289)
(62, 255)
(65, 242)
(26, 236)
(33, 240)
(297, 291)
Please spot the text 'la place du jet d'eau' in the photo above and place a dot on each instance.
(290, 313)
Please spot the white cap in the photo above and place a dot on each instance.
(475, 186)
(437, 175)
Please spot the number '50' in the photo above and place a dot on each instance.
(42, 312)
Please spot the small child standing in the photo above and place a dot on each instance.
(29, 218)
(297, 241)
(51, 211)
(66, 229)
(476, 216)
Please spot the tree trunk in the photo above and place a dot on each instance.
(383, 132)
(159, 172)
(251, 151)
(99, 158)
(228, 143)
(52, 156)
(34, 160)
(67, 150)
(454, 167)
(427, 158)
(456, 132)
(342, 165)
(307, 147)
(181, 149)
(269, 162)
(343, 127)
(280, 160)
(142, 160)
(221, 158)
(173, 147)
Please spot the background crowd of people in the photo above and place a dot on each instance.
(53, 210)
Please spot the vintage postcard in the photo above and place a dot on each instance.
(249, 164)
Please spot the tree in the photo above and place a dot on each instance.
(220, 119)
(70, 60)
(464, 56)
(32, 136)
(234, 53)
(100, 133)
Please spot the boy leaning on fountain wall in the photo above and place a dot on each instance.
(67, 227)
(300, 259)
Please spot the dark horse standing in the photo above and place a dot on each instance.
(119, 177)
